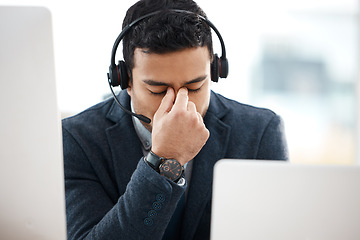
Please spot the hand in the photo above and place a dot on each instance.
(178, 130)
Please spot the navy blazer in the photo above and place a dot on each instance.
(111, 193)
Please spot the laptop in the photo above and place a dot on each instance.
(279, 200)
(32, 204)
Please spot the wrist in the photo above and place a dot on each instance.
(160, 154)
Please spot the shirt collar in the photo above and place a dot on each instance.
(143, 134)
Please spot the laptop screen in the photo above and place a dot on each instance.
(255, 199)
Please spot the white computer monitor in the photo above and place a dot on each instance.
(31, 165)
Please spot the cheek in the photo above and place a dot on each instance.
(152, 105)
(201, 102)
(148, 104)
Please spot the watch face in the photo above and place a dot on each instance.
(171, 169)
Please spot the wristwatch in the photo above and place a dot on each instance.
(169, 168)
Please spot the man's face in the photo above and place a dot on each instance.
(154, 73)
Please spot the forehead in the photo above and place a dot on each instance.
(180, 65)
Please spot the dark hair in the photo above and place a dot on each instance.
(167, 31)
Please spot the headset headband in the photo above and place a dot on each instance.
(129, 26)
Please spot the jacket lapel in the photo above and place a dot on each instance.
(202, 173)
(124, 143)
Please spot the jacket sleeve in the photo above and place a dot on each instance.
(273, 145)
(143, 210)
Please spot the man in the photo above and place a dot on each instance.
(116, 167)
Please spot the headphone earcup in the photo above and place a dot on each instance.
(224, 67)
(215, 69)
(113, 76)
(118, 75)
(124, 76)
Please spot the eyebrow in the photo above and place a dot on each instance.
(159, 83)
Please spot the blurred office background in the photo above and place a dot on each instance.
(298, 58)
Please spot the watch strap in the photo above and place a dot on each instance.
(154, 160)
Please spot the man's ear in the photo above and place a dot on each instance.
(128, 89)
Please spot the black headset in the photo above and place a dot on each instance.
(118, 74)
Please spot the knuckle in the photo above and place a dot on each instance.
(179, 113)
(191, 104)
(207, 133)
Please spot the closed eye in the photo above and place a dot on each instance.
(194, 90)
(158, 93)
(164, 92)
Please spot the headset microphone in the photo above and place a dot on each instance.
(139, 116)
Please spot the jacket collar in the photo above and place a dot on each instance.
(116, 113)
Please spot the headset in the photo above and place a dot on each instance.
(118, 74)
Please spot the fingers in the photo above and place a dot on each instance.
(200, 117)
(182, 103)
(167, 102)
(191, 107)
(182, 99)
